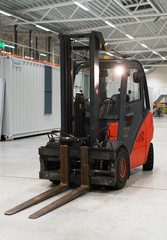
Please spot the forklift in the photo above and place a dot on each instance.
(106, 123)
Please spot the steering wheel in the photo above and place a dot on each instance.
(105, 100)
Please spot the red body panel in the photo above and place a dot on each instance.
(113, 128)
(141, 146)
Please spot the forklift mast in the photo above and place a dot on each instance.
(96, 43)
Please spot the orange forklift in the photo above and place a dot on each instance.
(106, 123)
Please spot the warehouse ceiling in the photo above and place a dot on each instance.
(134, 27)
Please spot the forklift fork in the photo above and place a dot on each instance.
(61, 187)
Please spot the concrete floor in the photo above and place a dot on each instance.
(139, 211)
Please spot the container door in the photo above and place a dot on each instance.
(2, 94)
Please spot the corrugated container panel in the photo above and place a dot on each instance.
(24, 101)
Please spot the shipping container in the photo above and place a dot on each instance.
(32, 97)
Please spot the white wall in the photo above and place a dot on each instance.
(157, 78)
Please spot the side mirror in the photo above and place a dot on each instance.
(136, 77)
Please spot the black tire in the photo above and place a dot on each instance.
(122, 168)
(148, 166)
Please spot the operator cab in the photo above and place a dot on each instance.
(120, 98)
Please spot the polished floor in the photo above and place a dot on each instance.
(139, 211)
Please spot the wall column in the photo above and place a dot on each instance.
(49, 47)
(0, 29)
(36, 46)
(30, 34)
(15, 39)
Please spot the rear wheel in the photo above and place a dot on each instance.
(122, 168)
(148, 166)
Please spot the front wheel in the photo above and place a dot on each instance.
(122, 168)
(148, 166)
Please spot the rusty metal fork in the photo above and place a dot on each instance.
(51, 192)
(75, 193)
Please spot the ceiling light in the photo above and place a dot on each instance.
(5, 13)
(129, 36)
(110, 24)
(9, 46)
(6, 52)
(42, 54)
(143, 45)
(155, 52)
(43, 28)
(148, 70)
(81, 6)
(110, 54)
(164, 58)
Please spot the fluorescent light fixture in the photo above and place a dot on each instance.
(42, 54)
(164, 58)
(109, 24)
(155, 52)
(148, 69)
(74, 40)
(6, 52)
(29, 57)
(9, 46)
(43, 28)
(5, 13)
(143, 45)
(129, 36)
(81, 6)
(110, 54)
